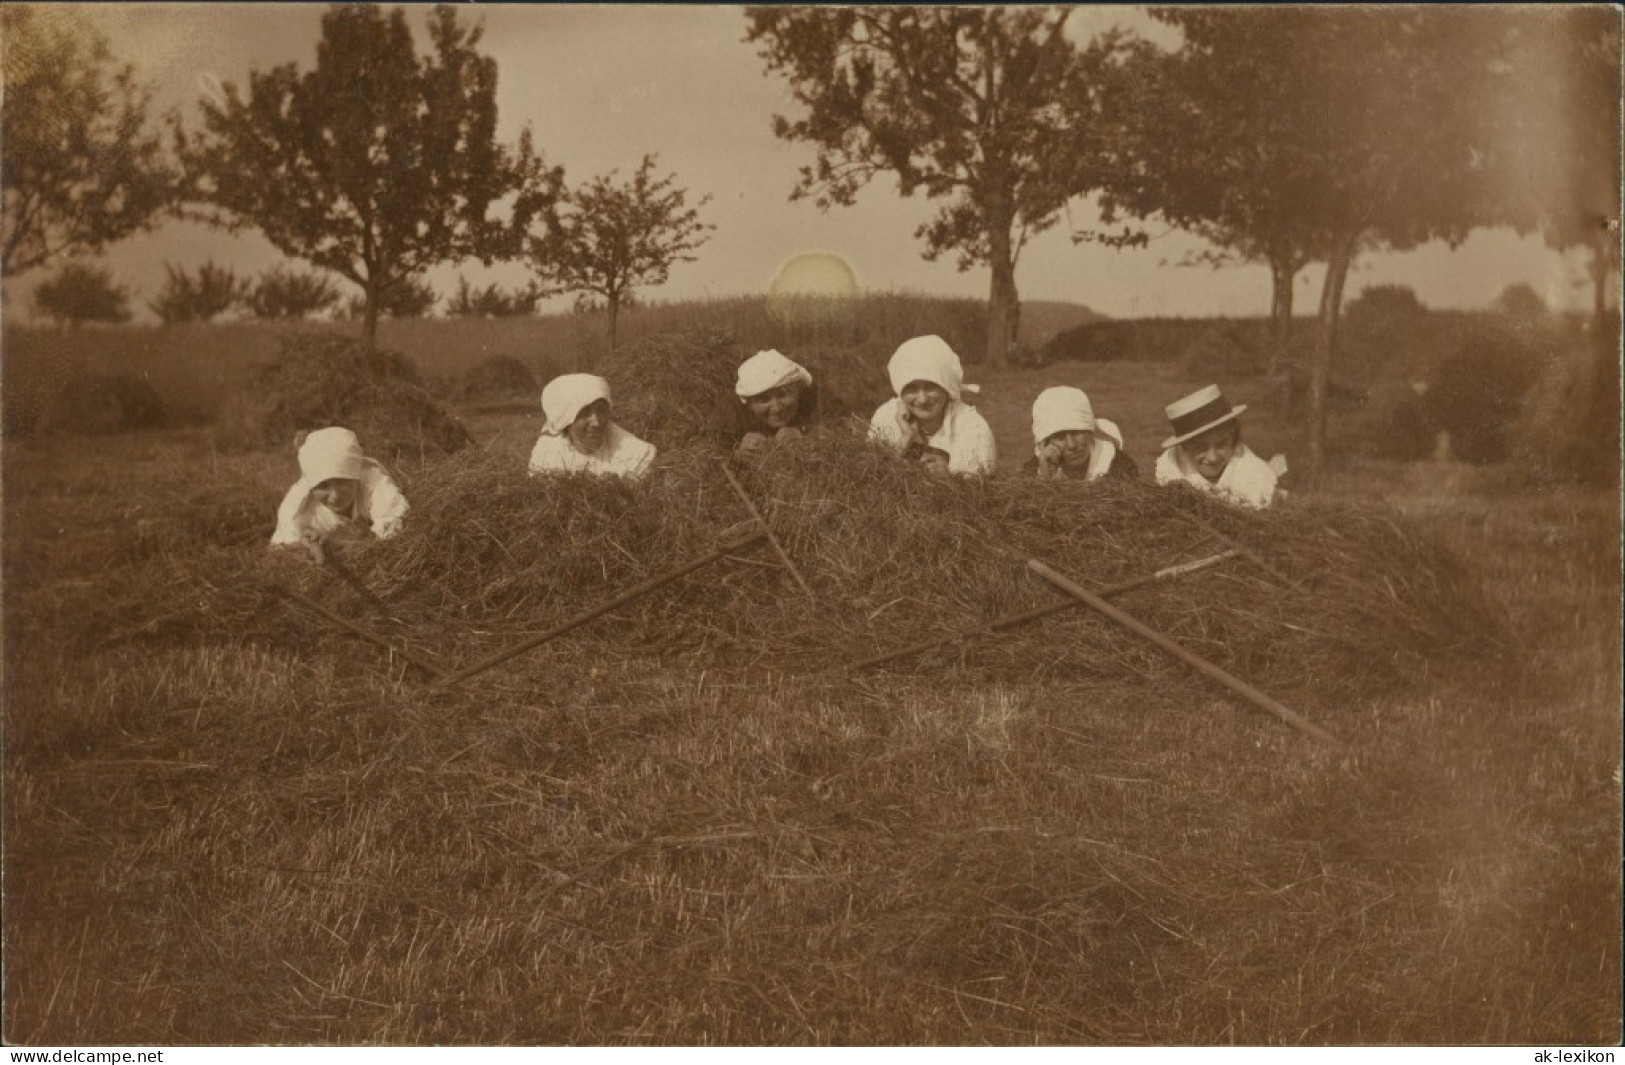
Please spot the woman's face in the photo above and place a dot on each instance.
(776, 408)
(336, 493)
(591, 428)
(1072, 446)
(925, 402)
(1211, 452)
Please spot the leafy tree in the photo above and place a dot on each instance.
(492, 301)
(610, 239)
(375, 165)
(214, 291)
(286, 294)
(405, 299)
(81, 168)
(1359, 128)
(79, 294)
(962, 103)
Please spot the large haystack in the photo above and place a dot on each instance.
(895, 555)
(319, 380)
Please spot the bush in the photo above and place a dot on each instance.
(319, 380)
(1223, 352)
(1478, 396)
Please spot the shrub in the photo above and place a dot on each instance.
(80, 294)
(1223, 352)
(1478, 395)
(100, 404)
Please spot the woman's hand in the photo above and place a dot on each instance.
(1049, 460)
(311, 541)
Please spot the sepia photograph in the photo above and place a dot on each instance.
(538, 525)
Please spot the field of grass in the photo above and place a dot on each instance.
(218, 841)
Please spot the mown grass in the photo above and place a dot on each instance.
(212, 841)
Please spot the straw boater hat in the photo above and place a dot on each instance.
(1198, 412)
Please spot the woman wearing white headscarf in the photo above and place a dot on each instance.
(927, 411)
(777, 401)
(338, 487)
(1070, 443)
(578, 436)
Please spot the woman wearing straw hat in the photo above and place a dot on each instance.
(1206, 451)
(777, 401)
(338, 488)
(927, 411)
(1070, 443)
(578, 435)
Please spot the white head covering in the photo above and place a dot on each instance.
(930, 359)
(1061, 409)
(567, 395)
(329, 453)
(767, 370)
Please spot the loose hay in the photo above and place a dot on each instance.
(320, 380)
(490, 555)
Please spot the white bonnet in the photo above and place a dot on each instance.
(567, 395)
(767, 370)
(927, 358)
(1061, 409)
(329, 453)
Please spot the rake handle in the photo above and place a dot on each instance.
(359, 629)
(778, 549)
(1013, 620)
(633, 593)
(1190, 658)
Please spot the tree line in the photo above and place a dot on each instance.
(1286, 137)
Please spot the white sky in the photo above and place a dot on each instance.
(600, 85)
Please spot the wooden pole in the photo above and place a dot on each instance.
(636, 592)
(331, 559)
(1253, 557)
(360, 630)
(1235, 684)
(778, 548)
(1013, 620)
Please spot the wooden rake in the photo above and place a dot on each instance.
(1190, 658)
(631, 594)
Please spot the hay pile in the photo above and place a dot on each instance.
(319, 380)
(896, 556)
(678, 388)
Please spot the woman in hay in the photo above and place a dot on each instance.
(1206, 452)
(927, 411)
(338, 488)
(1070, 443)
(578, 435)
(777, 401)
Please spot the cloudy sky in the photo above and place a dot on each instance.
(600, 86)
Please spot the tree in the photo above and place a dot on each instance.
(81, 168)
(962, 103)
(411, 298)
(1520, 301)
(79, 294)
(492, 301)
(1320, 131)
(213, 292)
(289, 295)
(373, 165)
(1191, 147)
(612, 239)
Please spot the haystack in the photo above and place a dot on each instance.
(896, 556)
(319, 380)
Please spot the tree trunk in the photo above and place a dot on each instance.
(1283, 272)
(1602, 422)
(369, 321)
(613, 303)
(1003, 304)
(1331, 305)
